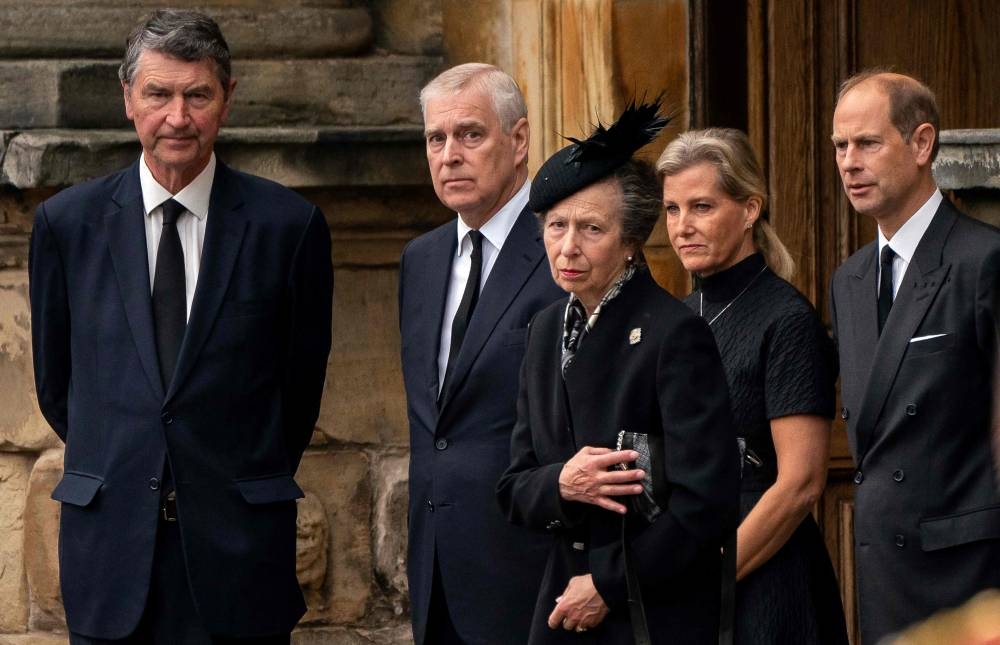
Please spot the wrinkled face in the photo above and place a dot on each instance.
(708, 229)
(878, 168)
(582, 235)
(475, 166)
(177, 108)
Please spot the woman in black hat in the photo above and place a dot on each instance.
(620, 363)
(781, 369)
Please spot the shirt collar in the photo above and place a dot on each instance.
(906, 239)
(498, 227)
(194, 197)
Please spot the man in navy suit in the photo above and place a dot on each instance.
(467, 292)
(916, 314)
(181, 326)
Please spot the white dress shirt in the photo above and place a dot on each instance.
(190, 225)
(904, 242)
(495, 233)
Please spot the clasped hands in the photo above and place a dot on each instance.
(590, 477)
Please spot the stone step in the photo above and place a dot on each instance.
(377, 90)
(261, 29)
(299, 157)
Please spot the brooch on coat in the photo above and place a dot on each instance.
(635, 336)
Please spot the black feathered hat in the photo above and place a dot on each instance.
(586, 162)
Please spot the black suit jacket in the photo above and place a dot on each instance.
(650, 365)
(489, 569)
(233, 423)
(917, 402)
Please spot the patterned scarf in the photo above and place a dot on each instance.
(576, 324)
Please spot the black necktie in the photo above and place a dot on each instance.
(885, 286)
(169, 296)
(468, 303)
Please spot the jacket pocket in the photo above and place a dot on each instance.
(77, 489)
(269, 489)
(961, 528)
(515, 337)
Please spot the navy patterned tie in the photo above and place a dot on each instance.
(169, 296)
(885, 286)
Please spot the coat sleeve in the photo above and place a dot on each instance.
(309, 335)
(528, 492)
(50, 320)
(701, 464)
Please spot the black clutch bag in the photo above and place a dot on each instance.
(647, 502)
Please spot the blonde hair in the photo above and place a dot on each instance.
(740, 177)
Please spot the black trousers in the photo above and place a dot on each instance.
(170, 617)
(440, 628)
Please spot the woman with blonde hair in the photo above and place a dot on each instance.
(781, 370)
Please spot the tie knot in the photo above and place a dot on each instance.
(477, 241)
(887, 255)
(172, 210)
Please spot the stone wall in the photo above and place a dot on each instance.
(326, 104)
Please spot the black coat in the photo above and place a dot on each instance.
(665, 379)
(234, 421)
(490, 570)
(917, 402)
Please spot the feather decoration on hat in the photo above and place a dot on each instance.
(637, 126)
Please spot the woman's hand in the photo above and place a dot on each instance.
(580, 606)
(586, 478)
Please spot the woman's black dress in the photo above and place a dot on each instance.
(779, 361)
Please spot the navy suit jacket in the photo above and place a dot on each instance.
(233, 422)
(490, 570)
(918, 402)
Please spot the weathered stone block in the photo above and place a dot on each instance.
(391, 496)
(14, 471)
(41, 543)
(340, 482)
(363, 399)
(266, 30)
(295, 157)
(21, 424)
(35, 638)
(968, 159)
(398, 634)
(356, 91)
(408, 26)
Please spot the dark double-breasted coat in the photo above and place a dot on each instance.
(917, 402)
(459, 447)
(233, 422)
(649, 365)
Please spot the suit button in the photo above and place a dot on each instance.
(154, 483)
(845, 413)
(441, 444)
(859, 477)
(167, 418)
(430, 506)
(911, 410)
(900, 541)
(899, 475)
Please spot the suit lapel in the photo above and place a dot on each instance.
(224, 233)
(435, 274)
(921, 283)
(521, 253)
(126, 233)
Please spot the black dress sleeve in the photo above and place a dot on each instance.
(800, 369)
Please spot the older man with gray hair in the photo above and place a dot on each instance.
(467, 291)
(181, 326)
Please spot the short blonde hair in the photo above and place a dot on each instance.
(740, 177)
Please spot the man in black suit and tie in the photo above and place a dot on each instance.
(915, 314)
(181, 326)
(467, 292)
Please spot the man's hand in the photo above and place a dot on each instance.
(580, 606)
(586, 478)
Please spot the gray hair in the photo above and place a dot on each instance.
(508, 102)
(187, 35)
(642, 202)
(739, 176)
